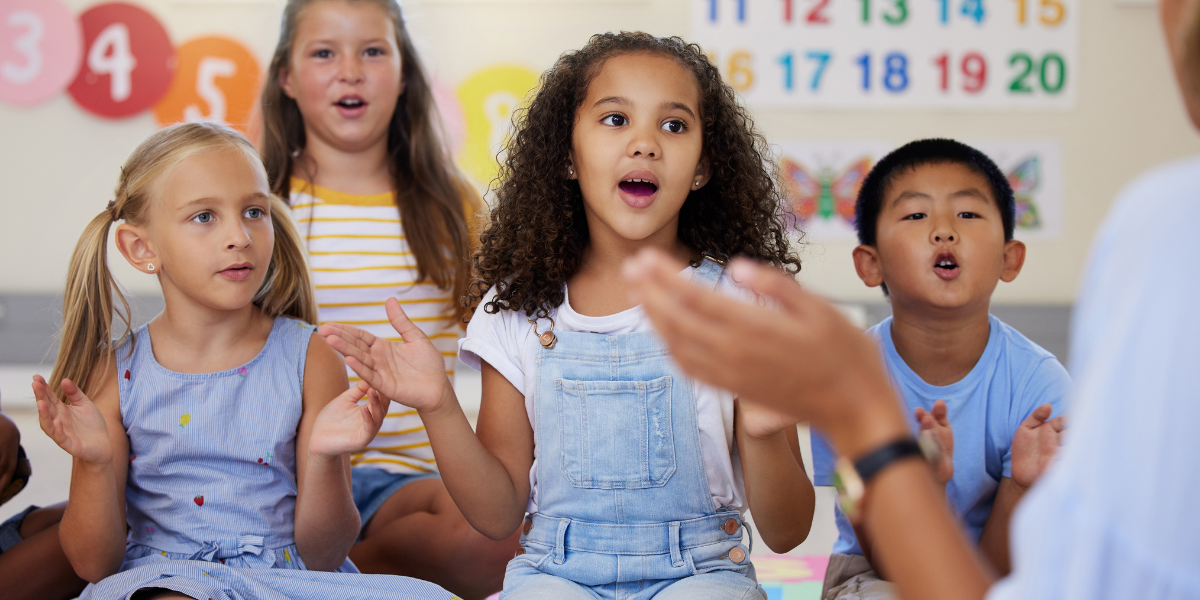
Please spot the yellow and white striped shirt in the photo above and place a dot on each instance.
(359, 259)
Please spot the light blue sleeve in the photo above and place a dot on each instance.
(1048, 383)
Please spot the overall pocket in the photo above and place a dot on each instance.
(616, 434)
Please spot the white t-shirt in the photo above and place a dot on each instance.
(507, 342)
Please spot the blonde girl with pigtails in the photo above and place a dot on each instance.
(211, 445)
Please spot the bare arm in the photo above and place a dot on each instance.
(327, 521)
(1035, 444)
(842, 390)
(487, 475)
(779, 492)
(93, 528)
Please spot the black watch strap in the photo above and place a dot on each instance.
(875, 461)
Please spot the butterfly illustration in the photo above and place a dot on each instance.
(1025, 180)
(826, 195)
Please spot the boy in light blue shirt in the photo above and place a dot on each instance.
(935, 224)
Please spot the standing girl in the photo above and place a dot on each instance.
(634, 476)
(210, 448)
(351, 140)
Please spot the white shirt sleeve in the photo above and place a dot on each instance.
(1116, 516)
(495, 338)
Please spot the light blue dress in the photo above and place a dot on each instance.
(211, 491)
(625, 510)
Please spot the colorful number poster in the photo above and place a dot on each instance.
(987, 54)
(39, 50)
(823, 178)
(488, 99)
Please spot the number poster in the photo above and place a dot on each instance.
(989, 54)
(822, 179)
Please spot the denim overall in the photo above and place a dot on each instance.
(624, 506)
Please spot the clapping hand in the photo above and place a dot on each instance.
(937, 423)
(1035, 444)
(411, 372)
(75, 425)
(346, 426)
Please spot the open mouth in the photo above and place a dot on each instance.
(946, 265)
(351, 102)
(638, 187)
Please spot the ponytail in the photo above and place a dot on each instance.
(287, 289)
(88, 311)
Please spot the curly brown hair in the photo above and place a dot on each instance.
(538, 232)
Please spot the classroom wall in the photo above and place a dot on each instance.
(59, 164)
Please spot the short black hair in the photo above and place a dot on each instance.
(921, 153)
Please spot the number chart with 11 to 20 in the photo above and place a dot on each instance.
(989, 54)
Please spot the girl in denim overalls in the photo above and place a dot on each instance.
(627, 478)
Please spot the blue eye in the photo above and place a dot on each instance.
(374, 52)
(254, 213)
(203, 217)
(674, 126)
(614, 120)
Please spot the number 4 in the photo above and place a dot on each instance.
(110, 55)
(973, 9)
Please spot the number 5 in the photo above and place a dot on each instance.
(27, 45)
(1052, 12)
(206, 74)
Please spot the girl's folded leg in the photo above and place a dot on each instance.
(530, 584)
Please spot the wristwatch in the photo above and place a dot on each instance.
(850, 478)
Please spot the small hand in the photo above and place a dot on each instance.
(1035, 444)
(346, 426)
(937, 423)
(10, 440)
(411, 372)
(75, 425)
(759, 421)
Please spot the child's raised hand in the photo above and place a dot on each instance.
(346, 426)
(75, 425)
(937, 423)
(1035, 444)
(412, 372)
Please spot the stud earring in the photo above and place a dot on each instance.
(150, 267)
(570, 172)
(696, 183)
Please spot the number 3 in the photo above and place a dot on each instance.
(27, 45)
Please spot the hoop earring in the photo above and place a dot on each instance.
(150, 267)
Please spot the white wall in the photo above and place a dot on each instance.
(58, 164)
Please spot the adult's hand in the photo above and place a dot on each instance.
(798, 356)
(803, 358)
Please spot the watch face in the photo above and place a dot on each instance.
(849, 487)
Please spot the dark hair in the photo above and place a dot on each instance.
(921, 153)
(538, 232)
(435, 201)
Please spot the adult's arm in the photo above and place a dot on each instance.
(755, 351)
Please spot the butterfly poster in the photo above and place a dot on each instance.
(821, 181)
(1034, 170)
